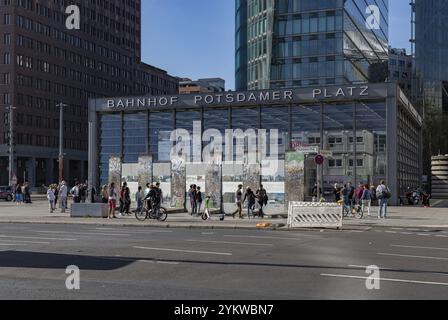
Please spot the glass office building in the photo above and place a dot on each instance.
(372, 131)
(431, 48)
(299, 43)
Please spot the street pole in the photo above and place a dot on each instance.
(11, 144)
(61, 140)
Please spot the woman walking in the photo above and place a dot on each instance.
(51, 198)
(366, 199)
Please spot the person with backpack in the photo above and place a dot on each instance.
(383, 195)
(75, 193)
(239, 202)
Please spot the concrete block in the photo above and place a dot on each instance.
(89, 210)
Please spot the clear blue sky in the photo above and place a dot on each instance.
(195, 38)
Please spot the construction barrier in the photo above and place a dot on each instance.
(314, 215)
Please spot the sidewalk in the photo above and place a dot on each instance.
(403, 217)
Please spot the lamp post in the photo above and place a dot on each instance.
(11, 179)
(61, 140)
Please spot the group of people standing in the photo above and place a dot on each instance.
(110, 195)
(57, 193)
(21, 193)
(364, 195)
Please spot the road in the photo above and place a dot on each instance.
(191, 264)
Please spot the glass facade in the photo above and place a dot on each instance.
(430, 52)
(355, 133)
(312, 43)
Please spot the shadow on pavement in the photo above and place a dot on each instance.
(24, 259)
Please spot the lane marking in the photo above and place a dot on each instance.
(410, 256)
(133, 231)
(416, 247)
(185, 251)
(9, 244)
(441, 236)
(31, 242)
(37, 238)
(423, 234)
(207, 233)
(384, 279)
(260, 237)
(85, 233)
(228, 242)
(397, 270)
(407, 233)
(394, 232)
(397, 228)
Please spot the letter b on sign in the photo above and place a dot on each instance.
(373, 20)
(373, 280)
(73, 280)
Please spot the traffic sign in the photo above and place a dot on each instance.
(308, 149)
(319, 159)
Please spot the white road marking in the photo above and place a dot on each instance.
(30, 242)
(207, 233)
(185, 251)
(410, 256)
(397, 228)
(227, 242)
(408, 233)
(384, 279)
(260, 237)
(396, 270)
(9, 244)
(423, 234)
(441, 236)
(37, 238)
(394, 232)
(416, 247)
(134, 231)
(86, 233)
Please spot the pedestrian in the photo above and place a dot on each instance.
(314, 192)
(63, 196)
(426, 197)
(93, 197)
(19, 194)
(125, 200)
(358, 193)
(192, 196)
(337, 193)
(75, 193)
(27, 193)
(50, 198)
(239, 202)
(383, 195)
(373, 193)
(206, 214)
(351, 193)
(198, 200)
(250, 196)
(104, 194)
(366, 199)
(112, 201)
(139, 198)
(262, 199)
(56, 195)
(82, 193)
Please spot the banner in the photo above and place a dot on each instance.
(144, 170)
(213, 185)
(178, 182)
(115, 170)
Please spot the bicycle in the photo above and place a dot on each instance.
(355, 209)
(154, 212)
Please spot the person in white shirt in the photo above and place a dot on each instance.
(51, 198)
(63, 193)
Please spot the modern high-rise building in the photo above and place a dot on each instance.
(187, 85)
(401, 69)
(43, 63)
(299, 43)
(431, 51)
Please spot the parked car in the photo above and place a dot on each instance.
(6, 193)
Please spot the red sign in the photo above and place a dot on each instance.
(319, 159)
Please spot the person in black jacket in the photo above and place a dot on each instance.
(198, 200)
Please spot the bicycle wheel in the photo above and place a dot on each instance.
(359, 213)
(163, 215)
(141, 215)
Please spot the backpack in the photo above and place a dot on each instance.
(384, 194)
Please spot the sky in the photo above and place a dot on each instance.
(195, 38)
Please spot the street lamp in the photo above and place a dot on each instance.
(61, 140)
(12, 179)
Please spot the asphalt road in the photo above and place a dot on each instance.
(146, 263)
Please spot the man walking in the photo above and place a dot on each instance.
(383, 195)
(63, 192)
(239, 202)
(262, 198)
